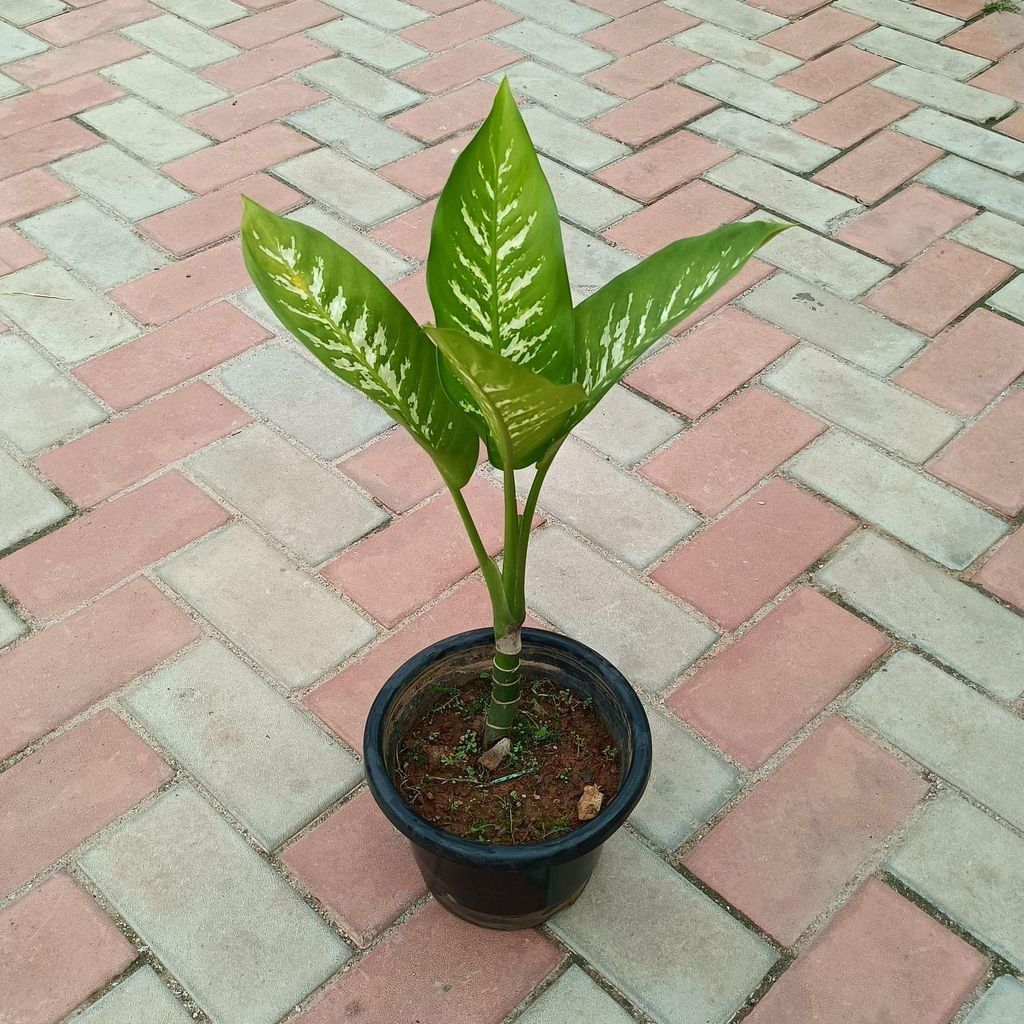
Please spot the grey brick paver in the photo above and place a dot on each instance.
(917, 601)
(1003, 1003)
(120, 182)
(92, 243)
(145, 131)
(28, 506)
(318, 410)
(903, 16)
(384, 263)
(204, 13)
(559, 91)
(355, 132)
(667, 946)
(311, 510)
(563, 15)
(995, 235)
(735, 51)
(971, 141)
(368, 44)
(821, 261)
(1010, 299)
(142, 996)
(11, 627)
(647, 636)
(626, 427)
(998, 193)
(574, 999)
(260, 756)
(225, 923)
(16, 45)
(630, 519)
(38, 403)
(73, 322)
(361, 85)
(971, 868)
(920, 53)
(591, 262)
(341, 185)
(784, 193)
(950, 728)
(166, 86)
(731, 14)
(569, 142)
(851, 398)
(181, 42)
(544, 43)
(26, 12)
(772, 142)
(911, 506)
(952, 97)
(389, 14)
(755, 96)
(689, 783)
(583, 201)
(290, 623)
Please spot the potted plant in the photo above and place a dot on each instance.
(507, 755)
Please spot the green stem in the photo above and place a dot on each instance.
(518, 599)
(511, 559)
(492, 577)
(505, 689)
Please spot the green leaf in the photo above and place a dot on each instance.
(496, 270)
(353, 324)
(523, 411)
(620, 321)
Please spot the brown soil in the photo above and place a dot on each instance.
(559, 746)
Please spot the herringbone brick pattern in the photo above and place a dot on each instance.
(797, 526)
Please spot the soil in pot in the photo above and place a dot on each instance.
(559, 747)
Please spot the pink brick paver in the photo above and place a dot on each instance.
(1003, 573)
(767, 857)
(727, 453)
(783, 785)
(59, 571)
(834, 73)
(56, 924)
(634, 74)
(812, 36)
(742, 561)
(710, 362)
(753, 697)
(44, 144)
(653, 113)
(853, 116)
(937, 287)
(879, 957)
(121, 452)
(663, 166)
(370, 572)
(877, 166)
(66, 792)
(109, 643)
(359, 866)
(898, 229)
(474, 977)
(170, 355)
(986, 461)
(215, 216)
(966, 368)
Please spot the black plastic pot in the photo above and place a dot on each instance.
(507, 886)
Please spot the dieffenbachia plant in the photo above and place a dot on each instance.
(509, 360)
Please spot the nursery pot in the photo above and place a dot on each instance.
(490, 884)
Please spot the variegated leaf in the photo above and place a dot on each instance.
(353, 324)
(496, 270)
(621, 320)
(522, 410)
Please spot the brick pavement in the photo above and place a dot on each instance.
(797, 526)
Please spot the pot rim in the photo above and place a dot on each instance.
(574, 844)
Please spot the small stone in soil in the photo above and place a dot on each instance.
(590, 803)
(490, 759)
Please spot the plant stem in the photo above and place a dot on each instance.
(505, 688)
(495, 584)
(518, 599)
